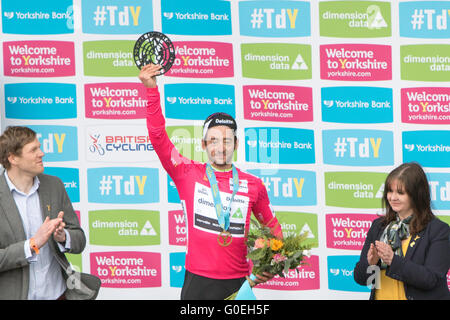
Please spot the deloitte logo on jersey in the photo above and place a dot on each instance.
(279, 145)
(358, 147)
(37, 17)
(196, 17)
(278, 103)
(350, 19)
(354, 189)
(355, 62)
(109, 58)
(425, 62)
(123, 185)
(340, 274)
(40, 101)
(117, 16)
(39, 58)
(276, 61)
(426, 105)
(424, 19)
(124, 227)
(348, 231)
(59, 143)
(357, 104)
(71, 179)
(275, 18)
(440, 190)
(196, 101)
(177, 268)
(289, 187)
(131, 269)
(429, 148)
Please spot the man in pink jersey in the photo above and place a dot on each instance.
(217, 199)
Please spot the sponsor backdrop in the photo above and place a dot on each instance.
(329, 96)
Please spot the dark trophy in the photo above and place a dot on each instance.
(154, 47)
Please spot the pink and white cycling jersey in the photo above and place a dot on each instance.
(205, 257)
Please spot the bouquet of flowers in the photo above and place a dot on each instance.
(273, 255)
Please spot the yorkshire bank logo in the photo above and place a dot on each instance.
(177, 268)
(439, 190)
(70, 178)
(427, 62)
(348, 231)
(59, 143)
(426, 105)
(118, 144)
(429, 148)
(354, 189)
(37, 17)
(357, 104)
(358, 147)
(115, 100)
(40, 101)
(109, 58)
(123, 185)
(196, 17)
(39, 58)
(196, 101)
(117, 17)
(127, 269)
(305, 277)
(276, 61)
(278, 103)
(275, 18)
(340, 274)
(355, 62)
(124, 227)
(355, 19)
(177, 228)
(202, 59)
(287, 187)
(425, 19)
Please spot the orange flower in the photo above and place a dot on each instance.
(276, 244)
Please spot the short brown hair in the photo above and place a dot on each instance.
(12, 141)
(414, 182)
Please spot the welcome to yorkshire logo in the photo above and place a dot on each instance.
(355, 19)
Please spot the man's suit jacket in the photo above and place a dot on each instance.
(14, 267)
(424, 268)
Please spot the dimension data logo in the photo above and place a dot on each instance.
(127, 269)
(39, 58)
(355, 19)
(115, 100)
(278, 103)
(289, 187)
(196, 17)
(59, 143)
(196, 101)
(202, 59)
(275, 18)
(425, 62)
(354, 189)
(279, 145)
(295, 223)
(71, 179)
(357, 104)
(117, 16)
(340, 274)
(425, 19)
(276, 61)
(124, 227)
(358, 147)
(426, 105)
(40, 101)
(439, 190)
(355, 62)
(123, 185)
(37, 17)
(347, 231)
(429, 148)
(109, 58)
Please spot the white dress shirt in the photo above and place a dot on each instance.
(46, 280)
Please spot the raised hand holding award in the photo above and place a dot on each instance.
(154, 47)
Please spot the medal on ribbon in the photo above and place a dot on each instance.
(154, 47)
